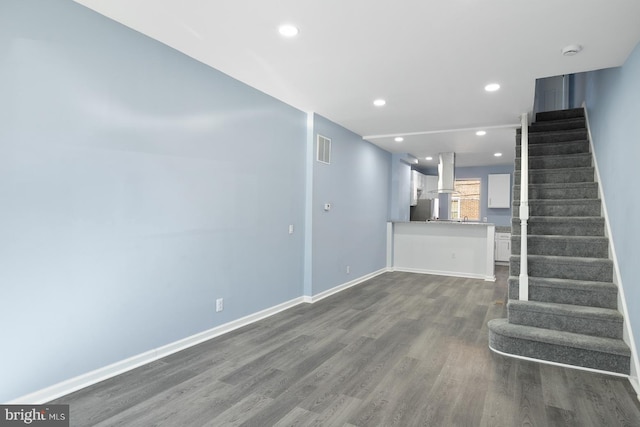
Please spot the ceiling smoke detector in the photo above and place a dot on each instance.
(572, 49)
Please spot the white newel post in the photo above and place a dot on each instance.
(523, 290)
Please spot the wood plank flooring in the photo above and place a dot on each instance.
(399, 350)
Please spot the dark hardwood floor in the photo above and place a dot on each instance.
(401, 349)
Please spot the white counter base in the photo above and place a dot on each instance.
(443, 248)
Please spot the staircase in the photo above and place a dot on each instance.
(571, 316)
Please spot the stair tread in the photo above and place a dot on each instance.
(557, 170)
(557, 201)
(557, 142)
(561, 338)
(558, 131)
(560, 184)
(537, 281)
(564, 218)
(542, 156)
(557, 122)
(562, 237)
(567, 258)
(581, 311)
(549, 116)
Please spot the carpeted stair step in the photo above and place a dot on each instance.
(595, 321)
(554, 136)
(567, 291)
(579, 160)
(566, 226)
(605, 354)
(560, 207)
(561, 148)
(576, 246)
(556, 125)
(557, 176)
(563, 267)
(575, 190)
(570, 113)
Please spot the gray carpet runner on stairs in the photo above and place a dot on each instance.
(571, 316)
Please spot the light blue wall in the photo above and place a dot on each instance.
(136, 187)
(613, 106)
(500, 217)
(353, 232)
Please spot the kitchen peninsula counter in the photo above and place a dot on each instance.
(447, 248)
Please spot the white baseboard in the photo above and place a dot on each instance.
(339, 288)
(562, 365)
(447, 273)
(85, 380)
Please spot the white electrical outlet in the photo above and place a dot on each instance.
(219, 304)
(290, 228)
(348, 269)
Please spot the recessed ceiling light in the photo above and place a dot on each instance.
(288, 30)
(398, 139)
(481, 133)
(492, 87)
(415, 161)
(572, 49)
(428, 158)
(498, 154)
(379, 102)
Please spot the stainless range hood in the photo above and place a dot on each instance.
(446, 173)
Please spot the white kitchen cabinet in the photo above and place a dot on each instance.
(430, 189)
(416, 187)
(502, 247)
(499, 191)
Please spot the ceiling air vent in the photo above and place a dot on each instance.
(324, 149)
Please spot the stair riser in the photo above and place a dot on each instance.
(556, 125)
(586, 297)
(594, 326)
(553, 137)
(568, 228)
(546, 116)
(572, 147)
(570, 192)
(579, 208)
(565, 269)
(598, 248)
(557, 176)
(560, 354)
(556, 162)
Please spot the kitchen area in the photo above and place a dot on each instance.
(450, 229)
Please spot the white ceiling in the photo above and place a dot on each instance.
(430, 60)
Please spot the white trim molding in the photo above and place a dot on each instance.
(562, 365)
(447, 273)
(324, 294)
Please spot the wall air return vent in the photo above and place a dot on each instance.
(324, 149)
